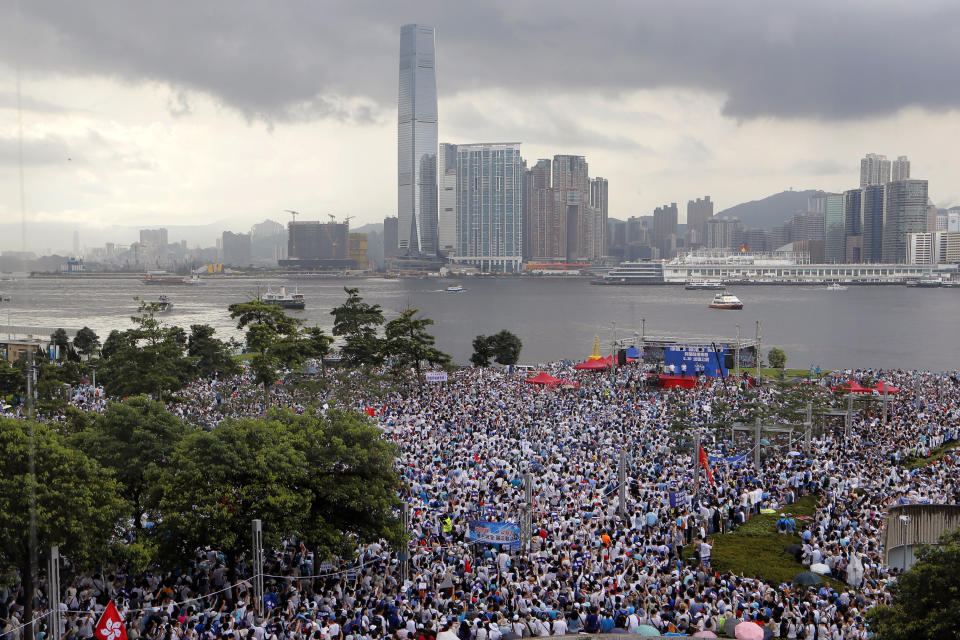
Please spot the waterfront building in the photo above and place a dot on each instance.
(698, 212)
(447, 199)
(390, 229)
(599, 189)
(833, 223)
(236, 249)
(900, 169)
(490, 206)
(904, 211)
(665, 229)
(853, 225)
(417, 142)
(570, 172)
(780, 236)
(357, 251)
(317, 241)
(931, 248)
(807, 226)
(874, 169)
(723, 232)
(953, 219)
(871, 215)
(540, 224)
(755, 240)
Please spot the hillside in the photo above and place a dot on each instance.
(771, 211)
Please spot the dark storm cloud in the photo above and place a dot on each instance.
(302, 60)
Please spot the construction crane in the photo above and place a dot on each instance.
(333, 218)
(293, 232)
(347, 220)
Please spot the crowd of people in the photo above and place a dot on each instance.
(470, 450)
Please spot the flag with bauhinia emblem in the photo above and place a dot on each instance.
(110, 626)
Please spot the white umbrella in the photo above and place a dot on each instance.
(854, 571)
(820, 568)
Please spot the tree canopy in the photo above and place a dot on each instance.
(777, 358)
(926, 602)
(86, 342)
(356, 322)
(408, 344)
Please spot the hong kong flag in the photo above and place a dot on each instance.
(110, 626)
(704, 462)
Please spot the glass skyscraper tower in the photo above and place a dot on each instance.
(417, 142)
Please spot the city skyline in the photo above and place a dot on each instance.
(146, 139)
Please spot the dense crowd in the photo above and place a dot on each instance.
(590, 564)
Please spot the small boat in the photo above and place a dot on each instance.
(194, 280)
(164, 304)
(950, 284)
(836, 286)
(4, 297)
(284, 300)
(726, 301)
(925, 283)
(704, 285)
(455, 288)
(161, 277)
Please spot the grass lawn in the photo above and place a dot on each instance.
(936, 454)
(766, 372)
(756, 549)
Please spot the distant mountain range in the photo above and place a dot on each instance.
(771, 211)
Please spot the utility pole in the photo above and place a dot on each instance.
(643, 330)
(53, 593)
(756, 446)
(736, 364)
(757, 354)
(258, 567)
(848, 419)
(808, 429)
(696, 462)
(293, 232)
(526, 523)
(93, 373)
(404, 551)
(622, 480)
(885, 398)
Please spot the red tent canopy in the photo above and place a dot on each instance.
(594, 365)
(544, 378)
(853, 387)
(890, 388)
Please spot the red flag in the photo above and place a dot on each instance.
(466, 565)
(110, 626)
(370, 411)
(703, 463)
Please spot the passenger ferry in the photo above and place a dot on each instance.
(705, 285)
(634, 273)
(836, 286)
(164, 304)
(455, 288)
(726, 301)
(285, 300)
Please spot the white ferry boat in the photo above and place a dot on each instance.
(164, 304)
(455, 288)
(704, 285)
(836, 286)
(726, 301)
(284, 300)
(194, 280)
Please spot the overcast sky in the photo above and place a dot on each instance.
(187, 112)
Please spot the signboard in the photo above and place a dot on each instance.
(699, 359)
(495, 532)
(436, 376)
(677, 499)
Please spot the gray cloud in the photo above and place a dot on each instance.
(306, 60)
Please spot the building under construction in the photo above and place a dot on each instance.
(315, 245)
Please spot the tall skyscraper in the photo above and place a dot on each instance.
(698, 212)
(490, 206)
(570, 172)
(874, 169)
(447, 199)
(853, 225)
(900, 169)
(723, 233)
(598, 202)
(834, 249)
(541, 222)
(665, 229)
(871, 208)
(390, 230)
(417, 142)
(904, 211)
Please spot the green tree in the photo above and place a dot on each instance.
(273, 335)
(86, 342)
(146, 359)
(409, 345)
(12, 379)
(357, 321)
(777, 358)
(212, 355)
(506, 347)
(77, 504)
(220, 481)
(61, 340)
(134, 439)
(482, 351)
(926, 599)
(353, 488)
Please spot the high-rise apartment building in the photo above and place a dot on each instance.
(665, 229)
(154, 237)
(490, 206)
(389, 237)
(236, 249)
(723, 233)
(834, 249)
(874, 169)
(417, 142)
(447, 199)
(900, 169)
(698, 212)
(598, 203)
(807, 226)
(538, 218)
(871, 216)
(904, 211)
(570, 172)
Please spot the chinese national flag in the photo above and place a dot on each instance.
(703, 463)
(110, 626)
(370, 412)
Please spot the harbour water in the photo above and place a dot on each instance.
(555, 318)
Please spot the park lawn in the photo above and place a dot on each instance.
(767, 372)
(756, 549)
(935, 455)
